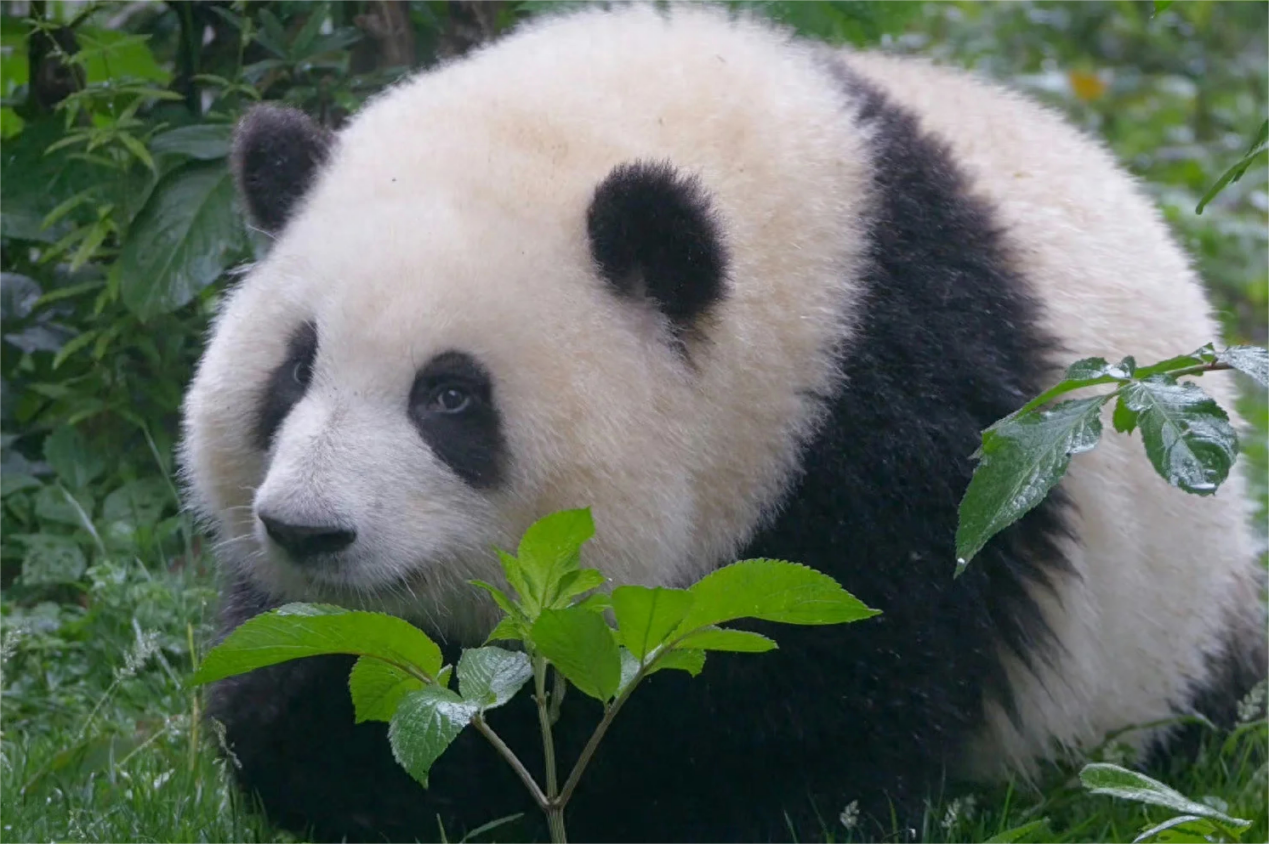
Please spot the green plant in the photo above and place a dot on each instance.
(1196, 822)
(559, 619)
(1187, 436)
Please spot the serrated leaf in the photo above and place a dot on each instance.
(489, 677)
(580, 644)
(424, 725)
(184, 238)
(646, 617)
(70, 457)
(771, 590)
(51, 560)
(302, 630)
(1187, 435)
(719, 639)
(514, 573)
(1249, 360)
(551, 548)
(575, 583)
(510, 630)
(1019, 464)
(1037, 830)
(378, 687)
(1112, 780)
(693, 662)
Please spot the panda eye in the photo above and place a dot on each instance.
(449, 398)
(302, 372)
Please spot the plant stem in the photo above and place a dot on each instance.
(589, 750)
(555, 821)
(1143, 373)
(478, 722)
(544, 720)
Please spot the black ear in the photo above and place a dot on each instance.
(277, 152)
(653, 234)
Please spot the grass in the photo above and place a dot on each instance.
(102, 741)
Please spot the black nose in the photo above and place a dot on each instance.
(303, 542)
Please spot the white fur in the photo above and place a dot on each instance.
(453, 217)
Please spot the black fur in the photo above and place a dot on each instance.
(276, 154)
(653, 235)
(469, 442)
(287, 384)
(762, 744)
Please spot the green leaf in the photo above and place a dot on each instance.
(36, 183)
(580, 644)
(425, 723)
(1019, 463)
(1092, 369)
(1236, 172)
(646, 617)
(771, 590)
(510, 630)
(693, 662)
(1249, 360)
(378, 687)
(576, 583)
(1123, 417)
(1102, 778)
(719, 639)
(203, 141)
(1187, 436)
(1037, 830)
(490, 677)
(301, 630)
(551, 548)
(138, 502)
(112, 55)
(1202, 828)
(516, 580)
(51, 559)
(500, 598)
(12, 481)
(187, 234)
(598, 602)
(70, 457)
(57, 504)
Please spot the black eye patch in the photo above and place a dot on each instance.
(287, 384)
(451, 406)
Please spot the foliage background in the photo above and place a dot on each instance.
(119, 231)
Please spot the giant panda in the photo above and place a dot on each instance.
(744, 296)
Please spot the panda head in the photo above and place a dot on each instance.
(417, 371)
(498, 293)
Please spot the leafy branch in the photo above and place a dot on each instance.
(562, 624)
(1187, 436)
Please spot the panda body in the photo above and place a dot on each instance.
(744, 297)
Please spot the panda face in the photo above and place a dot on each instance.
(377, 410)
